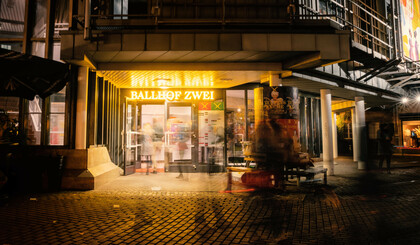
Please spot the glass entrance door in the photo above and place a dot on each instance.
(131, 143)
(159, 137)
(152, 135)
(180, 137)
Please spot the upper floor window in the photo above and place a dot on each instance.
(130, 7)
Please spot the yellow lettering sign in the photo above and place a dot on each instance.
(171, 95)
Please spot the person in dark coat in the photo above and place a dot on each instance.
(385, 134)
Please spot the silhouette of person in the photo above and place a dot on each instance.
(385, 134)
(147, 145)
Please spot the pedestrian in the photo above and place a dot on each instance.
(385, 134)
(182, 147)
(147, 146)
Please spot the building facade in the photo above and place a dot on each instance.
(171, 83)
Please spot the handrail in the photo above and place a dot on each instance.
(376, 18)
(368, 26)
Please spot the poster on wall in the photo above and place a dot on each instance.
(281, 103)
(410, 27)
(211, 123)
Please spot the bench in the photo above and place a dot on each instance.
(310, 174)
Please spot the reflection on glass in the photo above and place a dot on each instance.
(131, 153)
(57, 129)
(152, 119)
(33, 126)
(12, 19)
(38, 49)
(57, 117)
(178, 133)
(251, 115)
(40, 19)
(235, 125)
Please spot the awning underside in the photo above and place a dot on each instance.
(25, 76)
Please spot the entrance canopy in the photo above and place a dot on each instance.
(25, 76)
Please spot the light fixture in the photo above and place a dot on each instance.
(418, 98)
(163, 83)
(404, 100)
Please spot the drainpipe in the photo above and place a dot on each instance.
(86, 31)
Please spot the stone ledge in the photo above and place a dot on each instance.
(100, 170)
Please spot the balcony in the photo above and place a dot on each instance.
(372, 31)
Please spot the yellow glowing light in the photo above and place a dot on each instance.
(404, 100)
(172, 95)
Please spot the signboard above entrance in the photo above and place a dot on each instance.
(172, 95)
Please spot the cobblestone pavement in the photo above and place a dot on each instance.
(355, 208)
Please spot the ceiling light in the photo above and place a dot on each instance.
(418, 98)
(404, 100)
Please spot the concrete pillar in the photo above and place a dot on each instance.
(361, 132)
(354, 133)
(275, 80)
(81, 107)
(334, 135)
(327, 139)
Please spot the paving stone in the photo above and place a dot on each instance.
(356, 208)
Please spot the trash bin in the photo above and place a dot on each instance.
(55, 172)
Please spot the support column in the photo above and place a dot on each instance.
(81, 107)
(334, 135)
(361, 132)
(354, 134)
(327, 139)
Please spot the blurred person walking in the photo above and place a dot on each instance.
(385, 134)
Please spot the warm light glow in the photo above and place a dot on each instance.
(418, 98)
(404, 100)
(172, 95)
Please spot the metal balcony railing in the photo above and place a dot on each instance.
(368, 27)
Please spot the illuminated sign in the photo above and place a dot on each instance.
(172, 95)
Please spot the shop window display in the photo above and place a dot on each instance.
(411, 134)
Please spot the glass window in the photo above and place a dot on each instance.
(411, 133)
(12, 46)
(61, 17)
(40, 19)
(120, 8)
(57, 117)
(12, 14)
(56, 51)
(251, 115)
(235, 125)
(38, 49)
(9, 116)
(33, 125)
